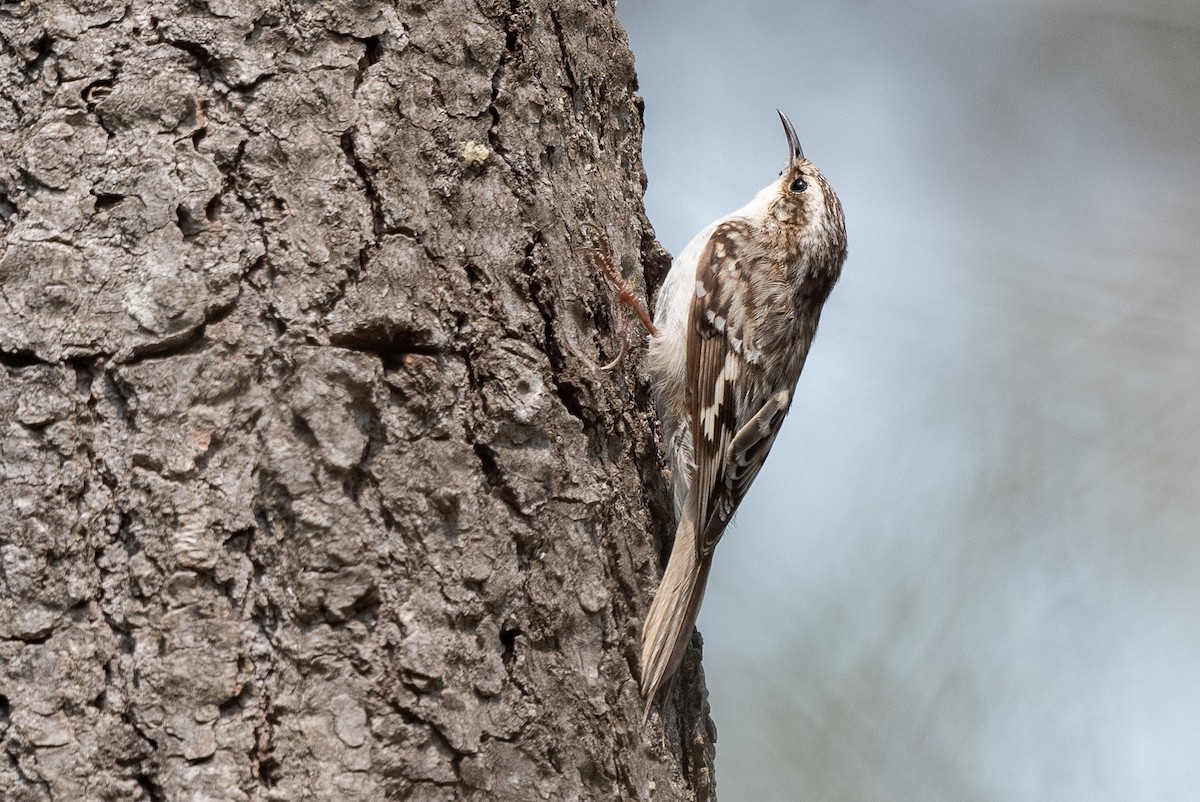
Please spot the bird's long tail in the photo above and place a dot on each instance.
(668, 628)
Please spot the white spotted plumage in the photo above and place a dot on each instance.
(735, 317)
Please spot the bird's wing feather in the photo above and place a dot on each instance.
(722, 357)
(748, 449)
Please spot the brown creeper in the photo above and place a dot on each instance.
(735, 317)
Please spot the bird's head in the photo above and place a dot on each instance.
(804, 211)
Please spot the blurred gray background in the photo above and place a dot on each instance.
(971, 568)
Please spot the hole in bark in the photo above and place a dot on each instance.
(107, 200)
(187, 222)
(8, 209)
(41, 51)
(237, 703)
(508, 639)
(261, 24)
(475, 273)
(372, 52)
(204, 59)
(374, 48)
(20, 359)
(510, 34)
(151, 788)
(268, 772)
(302, 430)
(213, 210)
(96, 92)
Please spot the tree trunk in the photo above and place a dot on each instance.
(312, 485)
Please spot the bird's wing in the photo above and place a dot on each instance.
(749, 447)
(722, 362)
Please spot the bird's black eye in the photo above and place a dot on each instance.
(798, 185)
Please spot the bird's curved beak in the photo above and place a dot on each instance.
(794, 150)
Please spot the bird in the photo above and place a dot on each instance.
(733, 324)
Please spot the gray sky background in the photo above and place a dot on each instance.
(971, 568)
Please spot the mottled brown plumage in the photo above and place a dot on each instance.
(735, 318)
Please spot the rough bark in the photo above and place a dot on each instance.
(312, 486)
